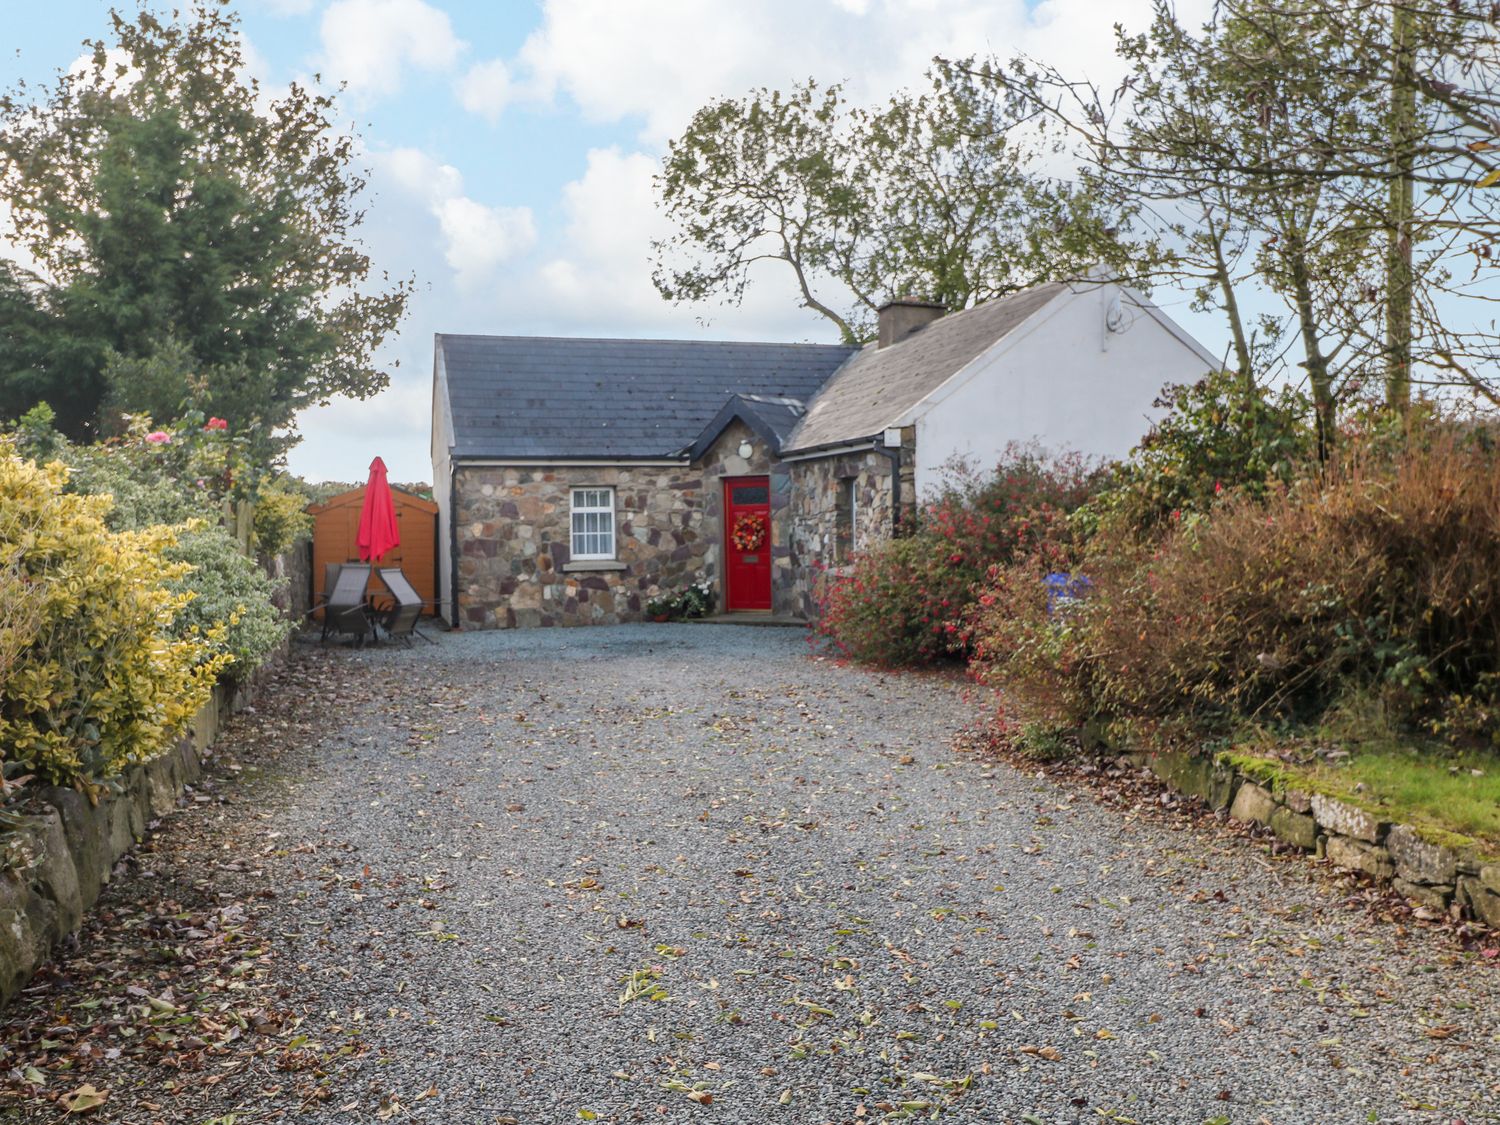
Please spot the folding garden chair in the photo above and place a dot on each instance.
(344, 608)
(401, 619)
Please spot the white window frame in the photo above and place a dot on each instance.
(577, 508)
(848, 494)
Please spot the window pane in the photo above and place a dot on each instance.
(593, 522)
(843, 521)
(750, 494)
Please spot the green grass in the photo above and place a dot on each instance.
(1450, 796)
(1435, 790)
(1427, 789)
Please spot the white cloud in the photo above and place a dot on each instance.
(599, 280)
(479, 238)
(418, 174)
(476, 238)
(658, 61)
(339, 439)
(370, 43)
(605, 263)
(486, 89)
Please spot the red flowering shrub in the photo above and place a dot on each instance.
(887, 608)
(911, 601)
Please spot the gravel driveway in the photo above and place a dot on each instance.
(687, 873)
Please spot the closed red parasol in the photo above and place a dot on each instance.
(378, 532)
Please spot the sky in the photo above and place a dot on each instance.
(510, 148)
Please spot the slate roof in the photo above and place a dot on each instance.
(878, 385)
(550, 397)
(770, 419)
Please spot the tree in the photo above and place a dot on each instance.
(1333, 154)
(934, 194)
(195, 240)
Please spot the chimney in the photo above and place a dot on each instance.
(903, 316)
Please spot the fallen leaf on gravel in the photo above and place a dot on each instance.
(1051, 1054)
(1442, 1032)
(84, 1099)
(702, 1097)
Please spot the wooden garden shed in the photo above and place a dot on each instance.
(336, 526)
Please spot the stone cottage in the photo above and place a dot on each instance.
(576, 479)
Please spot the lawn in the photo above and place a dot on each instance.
(1434, 790)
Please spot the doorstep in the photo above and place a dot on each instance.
(750, 619)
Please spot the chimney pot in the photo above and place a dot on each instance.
(903, 316)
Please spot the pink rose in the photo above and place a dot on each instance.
(159, 437)
(216, 424)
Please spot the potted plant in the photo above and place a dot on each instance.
(696, 601)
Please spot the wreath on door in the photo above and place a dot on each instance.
(749, 531)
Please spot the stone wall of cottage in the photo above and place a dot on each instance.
(811, 522)
(515, 568)
(723, 461)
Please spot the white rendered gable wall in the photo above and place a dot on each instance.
(1062, 380)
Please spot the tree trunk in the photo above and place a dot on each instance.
(1232, 310)
(1324, 405)
(1399, 281)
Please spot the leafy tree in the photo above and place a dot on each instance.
(1334, 154)
(195, 239)
(934, 194)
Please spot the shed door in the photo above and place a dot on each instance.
(747, 544)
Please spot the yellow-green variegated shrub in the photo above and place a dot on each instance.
(101, 682)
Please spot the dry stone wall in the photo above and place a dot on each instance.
(55, 864)
(1437, 873)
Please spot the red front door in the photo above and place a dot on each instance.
(747, 543)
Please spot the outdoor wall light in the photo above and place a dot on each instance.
(746, 449)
